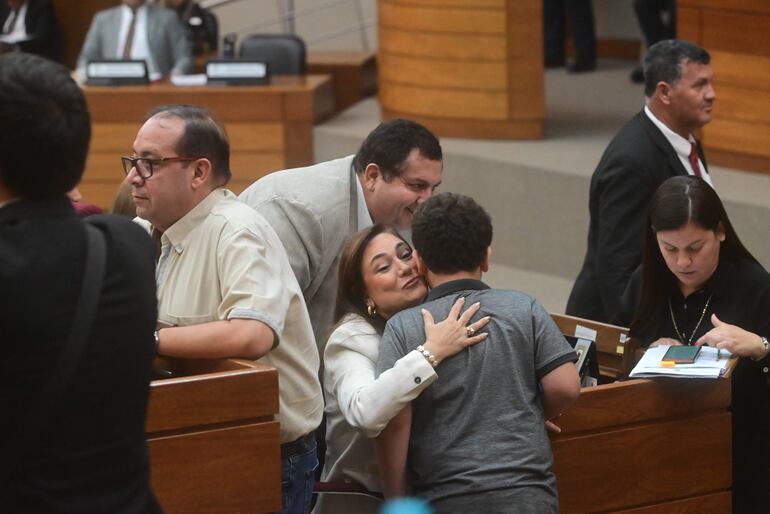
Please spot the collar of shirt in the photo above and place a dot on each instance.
(364, 218)
(715, 285)
(680, 145)
(18, 32)
(454, 286)
(177, 233)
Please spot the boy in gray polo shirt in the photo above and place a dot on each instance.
(478, 440)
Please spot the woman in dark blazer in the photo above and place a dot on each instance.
(698, 285)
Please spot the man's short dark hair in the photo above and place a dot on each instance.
(203, 136)
(44, 127)
(389, 145)
(663, 62)
(451, 232)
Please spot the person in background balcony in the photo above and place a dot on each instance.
(29, 26)
(201, 24)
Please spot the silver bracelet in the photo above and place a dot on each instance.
(765, 348)
(428, 356)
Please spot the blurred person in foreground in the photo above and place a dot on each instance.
(75, 444)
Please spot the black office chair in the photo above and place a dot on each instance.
(285, 54)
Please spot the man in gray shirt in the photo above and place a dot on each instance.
(478, 439)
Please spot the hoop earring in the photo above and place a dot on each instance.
(371, 310)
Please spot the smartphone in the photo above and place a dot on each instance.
(682, 354)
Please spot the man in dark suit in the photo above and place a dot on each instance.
(30, 26)
(654, 145)
(85, 451)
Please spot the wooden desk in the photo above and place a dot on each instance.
(354, 74)
(648, 446)
(737, 35)
(465, 68)
(615, 351)
(270, 127)
(214, 443)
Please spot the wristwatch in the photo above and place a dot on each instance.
(157, 343)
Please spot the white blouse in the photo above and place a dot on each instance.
(358, 407)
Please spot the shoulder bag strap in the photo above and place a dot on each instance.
(33, 421)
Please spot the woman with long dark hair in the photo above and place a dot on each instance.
(377, 278)
(698, 285)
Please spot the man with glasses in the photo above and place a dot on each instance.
(225, 286)
(315, 209)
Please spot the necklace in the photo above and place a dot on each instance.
(673, 320)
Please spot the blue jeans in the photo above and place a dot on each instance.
(298, 464)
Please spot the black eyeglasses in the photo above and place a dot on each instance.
(144, 165)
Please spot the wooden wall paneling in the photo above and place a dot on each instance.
(255, 136)
(747, 33)
(441, 46)
(732, 5)
(646, 446)
(742, 104)
(214, 443)
(269, 127)
(738, 161)
(446, 103)
(717, 503)
(688, 24)
(637, 401)
(456, 3)
(444, 73)
(463, 68)
(250, 166)
(648, 460)
(195, 472)
(526, 88)
(737, 33)
(354, 74)
(298, 142)
(740, 70)
(212, 399)
(447, 19)
(730, 135)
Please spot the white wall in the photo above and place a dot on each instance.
(614, 20)
(317, 28)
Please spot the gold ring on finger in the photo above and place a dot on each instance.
(470, 331)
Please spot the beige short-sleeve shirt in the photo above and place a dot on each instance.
(221, 261)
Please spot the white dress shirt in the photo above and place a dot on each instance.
(140, 46)
(680, 145)
(18, 32)
(358, 407)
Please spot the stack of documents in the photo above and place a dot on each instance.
(710, 363)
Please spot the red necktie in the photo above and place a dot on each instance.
(694, 160)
